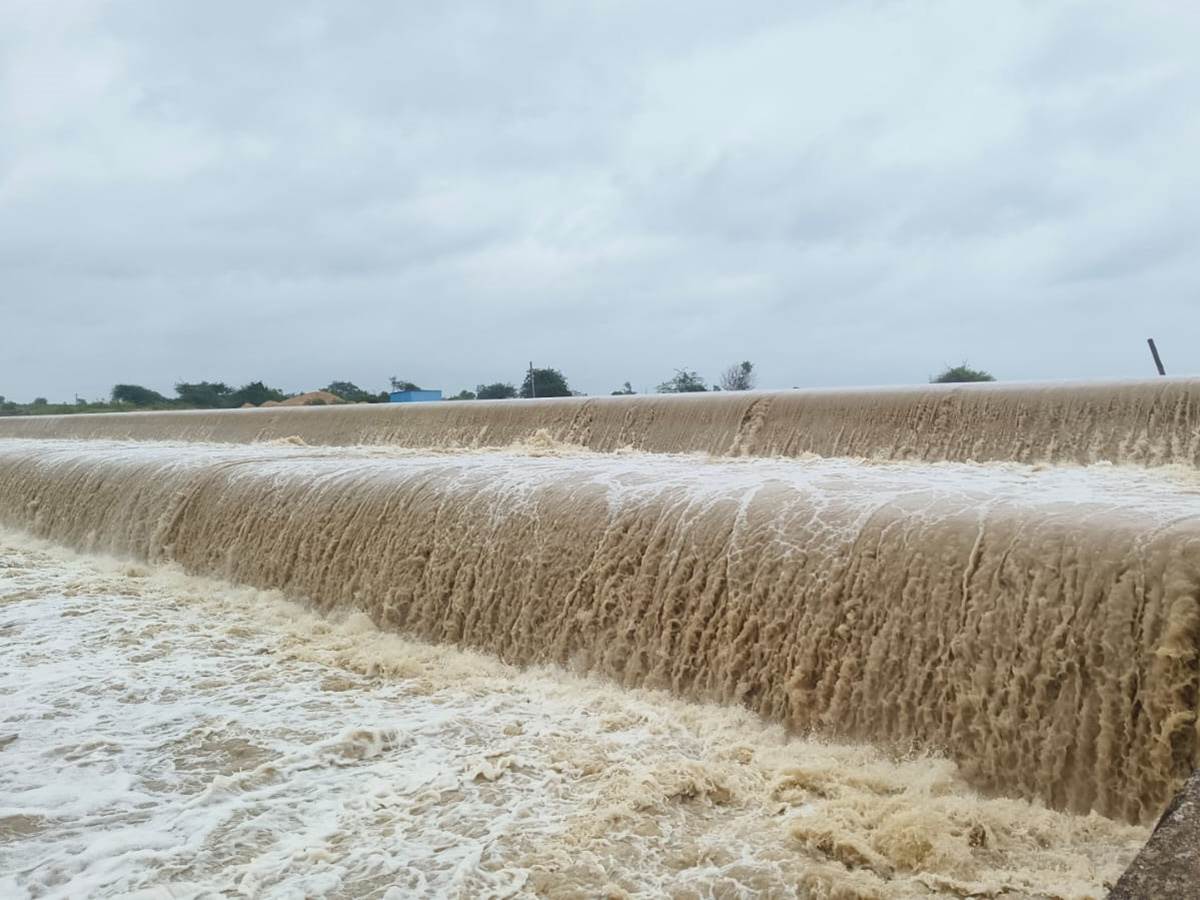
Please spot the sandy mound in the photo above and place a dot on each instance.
(312, 398)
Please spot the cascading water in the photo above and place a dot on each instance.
(1036, 624)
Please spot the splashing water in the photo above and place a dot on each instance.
(167, 736)
(1028, 626)
(1038, 626)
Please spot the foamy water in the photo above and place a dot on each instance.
(1037, 624)
(167, 736)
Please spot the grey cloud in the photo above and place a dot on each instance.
(844, 193)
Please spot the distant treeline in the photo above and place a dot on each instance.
(188, 395)
(537, 383)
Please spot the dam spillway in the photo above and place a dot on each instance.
(1037, 623)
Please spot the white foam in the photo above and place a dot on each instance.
(183, 738)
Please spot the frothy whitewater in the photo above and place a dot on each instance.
(829, 645)
(165, 736)
(1038, 625)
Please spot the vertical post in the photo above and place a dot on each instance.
(532, 382)
(1154, 353)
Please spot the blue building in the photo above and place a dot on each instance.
(415, 396)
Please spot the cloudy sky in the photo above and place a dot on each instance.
(845, 193)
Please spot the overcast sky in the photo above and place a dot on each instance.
(845, 193)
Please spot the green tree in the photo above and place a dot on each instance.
(204, 394)
(739, 377)
(350, 392)
(136, 395)
(399, 384)
(960, 373)
(463, 395)
(255, 393)
(544, 383)
(497, 391)
(626, 390)
(684, 382)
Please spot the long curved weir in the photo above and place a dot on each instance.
(1144, 423)
(1004, 576)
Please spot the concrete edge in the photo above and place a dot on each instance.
(1168, 867)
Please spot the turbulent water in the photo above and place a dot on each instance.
(1039, 626)
(165, 736)
(1152, 422)
(1000, 585)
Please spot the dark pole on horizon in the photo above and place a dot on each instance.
(532, 383)
(1154, 353)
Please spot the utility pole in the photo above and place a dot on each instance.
(532, 382)
(1154, 353)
